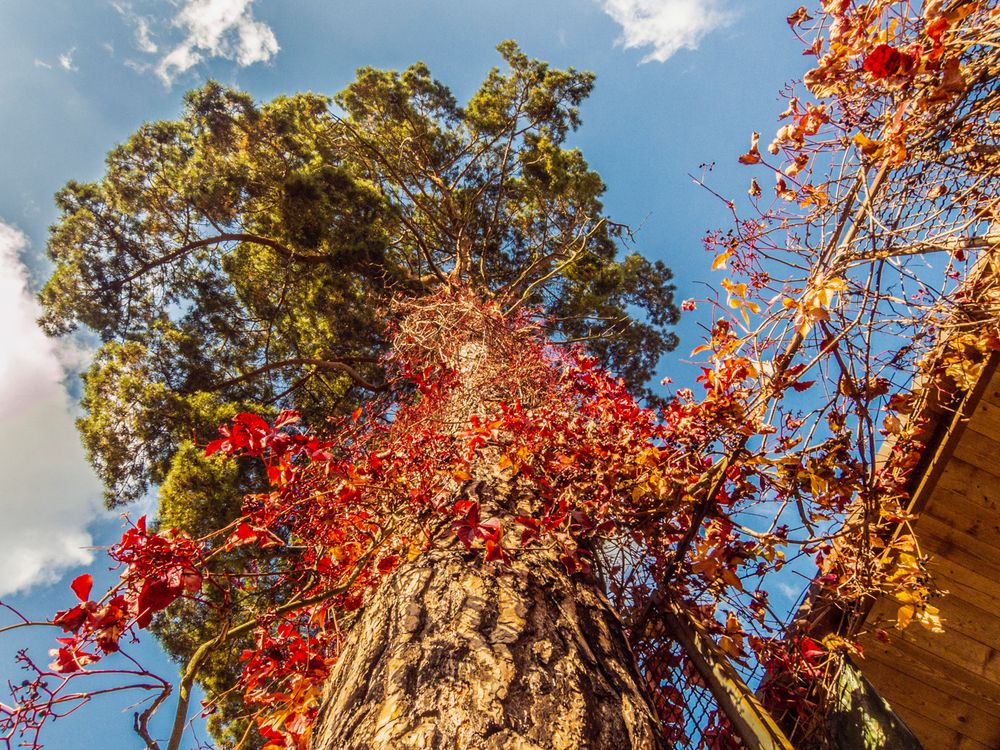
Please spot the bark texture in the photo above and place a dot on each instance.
(454, 654)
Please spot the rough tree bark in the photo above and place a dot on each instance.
(453, 652)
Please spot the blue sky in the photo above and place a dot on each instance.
(680, 83)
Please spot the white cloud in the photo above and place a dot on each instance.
(217, 28)
(66, 60)
(50, 494)
(666, 26)
(143, 39)
(42, 64)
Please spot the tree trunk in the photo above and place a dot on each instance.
(455, 653)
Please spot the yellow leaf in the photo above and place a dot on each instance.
(729, 646)
(753, 155)
(732, 579)
(867, 146)
(720, 260)
(904, 616)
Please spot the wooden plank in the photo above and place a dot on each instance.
(937, 537)
(992, 392)
(968, 619)
(954, 652)
(966, 516)
(978, 450)
(942, 443)
(749, 718)
(940, 659)
(979, 658)
(978, 485)
(930, 669)
(985, 418)
(964, 581)
(933, 736)
(977, 502)
(960, 716)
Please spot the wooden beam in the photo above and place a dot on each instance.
(749, 718)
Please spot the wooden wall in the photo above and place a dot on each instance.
(946, 686)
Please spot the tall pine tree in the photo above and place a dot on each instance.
(257, 257)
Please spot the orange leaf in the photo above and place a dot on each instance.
(753, 155)
(720, 260)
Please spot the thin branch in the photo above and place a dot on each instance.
(323, 364)
(216, 240)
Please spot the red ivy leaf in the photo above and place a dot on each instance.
(82, 585)
(883, 61)
(71, 619)
(69, 659)
(387, 564)
(252, 422)
(156, 595)
(215, 446)
(287, 417)
(496, 553)
(353, 602)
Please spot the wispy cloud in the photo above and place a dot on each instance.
(50, 494)
(42, 64)
(217, 28)
(66, 60)
(667, 26)
(143, 39)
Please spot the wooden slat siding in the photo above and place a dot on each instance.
(965, 516)
(938, 538)
(978, 485)
(946, 687)
(966, 583)
(957, 715)
(979, 450)
(992, 393)
(987, 414)
(950, 656)
(929, 668)
(947, 434)
(968, 618)
(937, 737)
